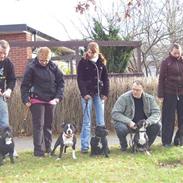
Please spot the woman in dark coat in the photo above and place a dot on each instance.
(93, 84)
(170, 91)
(41, 89)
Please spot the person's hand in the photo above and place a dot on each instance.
(54, 101)
(7, 93)
(160, 99)
(1, 94)
(104, 97)
(28, 104)
(87, 97)
(146, 124)
(132, 125)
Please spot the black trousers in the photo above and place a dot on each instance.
(171, 105)
(42, 118)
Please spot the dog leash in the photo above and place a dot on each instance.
(4, 98)
(26, 113)
(131, 138)
(23, 129)
(85, 109)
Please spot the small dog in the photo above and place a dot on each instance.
(178, 139)
(140, 139)
(67, 138)
(100, 138)
(6, 144)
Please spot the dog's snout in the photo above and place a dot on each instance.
(69, 131)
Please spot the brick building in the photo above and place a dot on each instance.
(21, 32)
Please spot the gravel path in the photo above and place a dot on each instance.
(26, 144)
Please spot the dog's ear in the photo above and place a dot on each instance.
(8, 128)
(1, 131)
(75, 127)
(140, 123)
(63, 124)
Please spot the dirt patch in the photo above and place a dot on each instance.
(170, 163)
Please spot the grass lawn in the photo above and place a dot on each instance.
(164, 165)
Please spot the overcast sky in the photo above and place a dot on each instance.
(47, 16)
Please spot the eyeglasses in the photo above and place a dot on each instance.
(137, 90)
(44, 61)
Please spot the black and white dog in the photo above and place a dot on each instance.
(178, 139)
(99, 139)
(140, 141)
(6, 144)
(67, 138)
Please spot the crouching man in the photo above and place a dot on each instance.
(131, 107)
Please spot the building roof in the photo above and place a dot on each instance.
(18, 28)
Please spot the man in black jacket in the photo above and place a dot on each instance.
(7, 82)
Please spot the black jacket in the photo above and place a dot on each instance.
(42, 82)
(89, 82)
(7, 75)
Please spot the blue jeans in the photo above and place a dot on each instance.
(86, 124)
(4, 117)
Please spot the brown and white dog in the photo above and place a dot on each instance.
(67, 138)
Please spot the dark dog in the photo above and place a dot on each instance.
(6, 144)
(99, 139)
(140, 139)
(178, 139)
(66, 138)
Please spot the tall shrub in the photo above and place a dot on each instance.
(118, 57)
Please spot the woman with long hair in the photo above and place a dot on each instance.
(93, 82)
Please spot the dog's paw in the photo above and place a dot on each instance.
(58, 159)
(49, 155)
(13, 162)
(74, 157)
(53, 154)
(148, 153)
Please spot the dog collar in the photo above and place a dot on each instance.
(68, 136)
(142, 131)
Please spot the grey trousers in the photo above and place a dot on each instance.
(42, 118)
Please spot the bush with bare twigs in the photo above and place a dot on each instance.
(70, 108)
